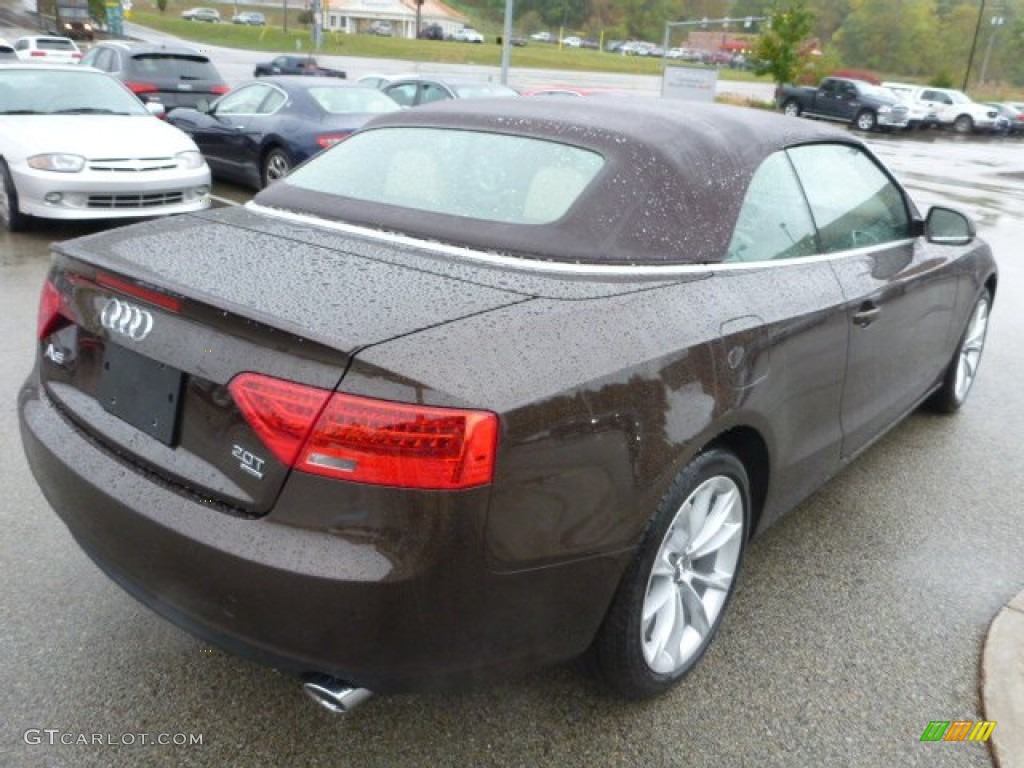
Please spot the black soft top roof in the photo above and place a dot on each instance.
(675, 176)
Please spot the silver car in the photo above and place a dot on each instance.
(76, 144)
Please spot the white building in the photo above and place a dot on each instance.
(355, 16)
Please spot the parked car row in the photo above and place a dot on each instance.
(894, 105)
(258, 132)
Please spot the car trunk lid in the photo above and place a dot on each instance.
(143, 329)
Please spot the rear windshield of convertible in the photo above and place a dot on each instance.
(484, 176)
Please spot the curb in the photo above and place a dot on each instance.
(1002, 683)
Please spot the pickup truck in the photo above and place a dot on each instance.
(859, 103)
(295, 65)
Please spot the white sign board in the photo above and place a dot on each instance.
(690, 83)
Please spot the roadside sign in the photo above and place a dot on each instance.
(690, 83)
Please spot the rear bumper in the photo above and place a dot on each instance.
(388, 592)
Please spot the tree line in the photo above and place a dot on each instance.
(924, 39)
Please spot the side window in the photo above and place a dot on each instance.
(774, 222)
(273, 102)
(854, 203)
(404, 94)
(244, 101)
(433, 92)
(104, 60)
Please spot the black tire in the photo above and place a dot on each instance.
(963, 124)
(636, 657)
(866, 120)
(276, 164)
(12, 219)
(963, 368)
(792, 108)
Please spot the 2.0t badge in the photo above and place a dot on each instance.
(126, 319)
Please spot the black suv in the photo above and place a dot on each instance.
(174, 76)
(431, 32)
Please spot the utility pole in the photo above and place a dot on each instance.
(506, 42)
(974, 46)
(318, 30)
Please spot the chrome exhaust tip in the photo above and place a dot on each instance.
(335, 696)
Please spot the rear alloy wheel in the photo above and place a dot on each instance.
(963, 124)
(791, 108)
(673, 596)
(866, 120)
(11, 218)
(276, 165)
(963, 369)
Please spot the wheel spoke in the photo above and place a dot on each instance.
(664, 622)
(700, 507)
(971, 364)
(661, 591)
(662, 565)
(712, 580)
(678, 537)
(696, 616)
(721, 509)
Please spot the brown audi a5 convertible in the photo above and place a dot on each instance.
(492, 384)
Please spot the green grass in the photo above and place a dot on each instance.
(298, 37)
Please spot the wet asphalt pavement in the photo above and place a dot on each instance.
(859, 617)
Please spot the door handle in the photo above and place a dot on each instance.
(867, 314)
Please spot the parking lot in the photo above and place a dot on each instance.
(859, 617)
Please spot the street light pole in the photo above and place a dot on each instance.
(506, 42)
(997, 22)
(974, 45)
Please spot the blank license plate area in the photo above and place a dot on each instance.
(140, 391)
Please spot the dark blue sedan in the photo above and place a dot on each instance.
(258, 132)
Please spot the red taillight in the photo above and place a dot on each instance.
(280, 412)
(369, 441)
(136, 87)
(37, 53)
(76, 55)
(52, 314)
(220, 89)
(328, 140)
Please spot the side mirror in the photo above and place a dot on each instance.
(156, 108)
(945, 226)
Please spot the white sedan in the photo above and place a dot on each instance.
(468, 35)
(76, 144)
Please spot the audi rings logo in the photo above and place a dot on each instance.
(126, 319)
